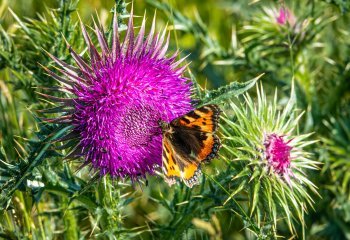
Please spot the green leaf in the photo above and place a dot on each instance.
(233, 89)
(255, 198)
(239, 188)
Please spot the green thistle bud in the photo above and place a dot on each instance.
(262, 145)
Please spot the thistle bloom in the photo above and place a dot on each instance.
(282, 16)
(277, 153)
(269, 159)
(285, 16)
(117, 99)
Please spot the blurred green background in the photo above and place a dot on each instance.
(227, 41)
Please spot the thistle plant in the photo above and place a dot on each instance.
(105, 82)
(117, 100)
(269, 159)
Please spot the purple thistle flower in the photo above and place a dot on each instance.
(119, 97)
(278, 155)
(282, 16)
(285, 16)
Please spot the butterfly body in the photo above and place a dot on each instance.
(188, 141)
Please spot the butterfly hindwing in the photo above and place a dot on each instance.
(170, 167)
(175, 166)
(190, 140)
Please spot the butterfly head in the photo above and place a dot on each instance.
(164, 126)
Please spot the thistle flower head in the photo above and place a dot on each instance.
(270, 16)
(117, 99)
(277, 153)
(282, 16)
(269, 158)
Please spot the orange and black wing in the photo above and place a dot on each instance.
(192, 140)
(170, 167)
(176, 166)
(194, 133)
(204, 119)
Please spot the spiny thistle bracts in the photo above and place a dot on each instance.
(269, 158)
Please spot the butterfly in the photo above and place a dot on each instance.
(188, 141)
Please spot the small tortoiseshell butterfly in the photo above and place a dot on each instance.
(188, 141)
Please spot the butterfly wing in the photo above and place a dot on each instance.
(204, 119)
(170, 166)
(179, 161)
(197, 131)
(191, 140)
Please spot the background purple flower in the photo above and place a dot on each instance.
(285, 16)
(282, 16)
(119, 97)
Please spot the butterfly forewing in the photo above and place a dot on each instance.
(204, 119)
(197, 129)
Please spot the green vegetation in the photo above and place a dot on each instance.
(279, 70)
